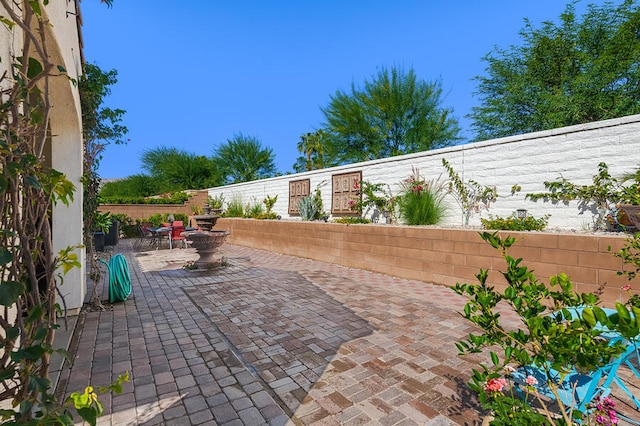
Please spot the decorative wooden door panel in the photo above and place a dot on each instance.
(345, 191)
(297, 190)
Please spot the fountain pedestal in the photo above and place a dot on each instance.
(206, 244)
(206, 221)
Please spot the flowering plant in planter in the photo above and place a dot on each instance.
(374, 195)
(421, 202)
(559, 331)
(190, 265)
(471, 196)
(606, 195)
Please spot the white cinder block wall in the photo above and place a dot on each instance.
(526, 160)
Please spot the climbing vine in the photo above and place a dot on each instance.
(30, 269)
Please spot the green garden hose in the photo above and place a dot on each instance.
(119, 278)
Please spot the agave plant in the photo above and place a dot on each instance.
(308, 208)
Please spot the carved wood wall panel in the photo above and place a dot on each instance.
(297, 190)
(344, 189)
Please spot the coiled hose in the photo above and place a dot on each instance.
(119, 278)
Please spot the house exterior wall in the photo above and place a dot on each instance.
(63, 48)
(67, 147)
(526, 160)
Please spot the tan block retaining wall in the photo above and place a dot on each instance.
(438, 255)
(143, 211)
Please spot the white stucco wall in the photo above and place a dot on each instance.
(526, 160)
(63, 47)
(67, 147)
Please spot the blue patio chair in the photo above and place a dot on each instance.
(577, 390)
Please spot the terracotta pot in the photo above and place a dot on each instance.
(632, 212)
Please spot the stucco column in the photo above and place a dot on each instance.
(67, 220)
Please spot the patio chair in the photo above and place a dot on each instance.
(146, 238)
(577, 390)
(163, 233)
(175, 236)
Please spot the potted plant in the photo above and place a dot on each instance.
(101, 225)
(630, 198)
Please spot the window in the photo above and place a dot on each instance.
(297, 190)
(345, 188)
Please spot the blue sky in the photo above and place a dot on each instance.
(192, 74)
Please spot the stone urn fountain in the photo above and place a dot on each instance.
(207, 220)
(206, 244)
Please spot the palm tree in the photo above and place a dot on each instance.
(311, 145)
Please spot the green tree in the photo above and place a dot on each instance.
(243, 159)
(575, 72)
(177, 170)
(101, 126)
(312, 146)
(393, 114)
(139, 185)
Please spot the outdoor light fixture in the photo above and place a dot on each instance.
(521, 213)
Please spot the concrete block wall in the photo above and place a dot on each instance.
(439, 255)
(143, 211)
(526, 160)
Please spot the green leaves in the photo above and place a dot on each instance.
(8, 22)
(87, 404)
(569, 339)
(10, 291)
(394, 113)
(243, 159)
(35, 67)
(572, 71)
(5, 256)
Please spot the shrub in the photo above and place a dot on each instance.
(471, 196)
(216, 202)
(254, 210)
(265, 215)
(351, 220)
(421, 202)
(235, 207)
(513, 223)
(269, 202)
(375, 195)
(173, 198)
(602, 195)
(558, 330)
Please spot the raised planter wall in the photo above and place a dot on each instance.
(438, 255)
(143, 211)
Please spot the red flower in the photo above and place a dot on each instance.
(495, 384)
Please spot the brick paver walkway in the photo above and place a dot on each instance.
(273, 339)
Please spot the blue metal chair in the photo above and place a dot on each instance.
(577, 390)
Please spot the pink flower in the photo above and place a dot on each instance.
(509, 369)
(531, 381)
(626, 287)
(495, 385)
